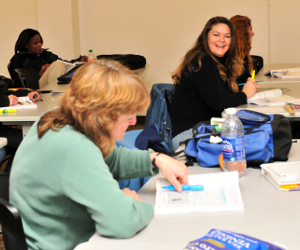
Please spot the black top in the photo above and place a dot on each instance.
(201, 95)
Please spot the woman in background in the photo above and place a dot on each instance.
(29, 54)
(205, 81)
(244, 34)
(64, 175)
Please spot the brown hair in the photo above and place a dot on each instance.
(98, 94)
(232, 66)
(242, 25)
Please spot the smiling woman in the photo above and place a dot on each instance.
(205, 81)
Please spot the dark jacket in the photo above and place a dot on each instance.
(201, 95)
(30, 60)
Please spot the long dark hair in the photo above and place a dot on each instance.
(232, 66)
(242, 25)
(24, 38)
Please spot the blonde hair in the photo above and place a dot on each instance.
(232, 67)
(98, 94)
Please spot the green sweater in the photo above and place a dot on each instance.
(65, 191)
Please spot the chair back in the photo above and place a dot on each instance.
(258, 63)
(4, 186)
(29, 77)
(158, 112)
(12, 227)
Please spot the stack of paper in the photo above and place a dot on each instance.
(284, 176)
(285, 73)
(221, 193)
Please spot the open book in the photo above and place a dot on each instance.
(69, 65)
(284, 176)
(221, 193)
(285, 73)
(272, 97)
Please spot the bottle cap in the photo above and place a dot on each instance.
(90, 50)
(230, 111)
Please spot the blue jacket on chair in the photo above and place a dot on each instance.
(161, 97)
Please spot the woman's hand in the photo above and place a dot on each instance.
(13, 100)
(34, 96)
(250, 87)
(174, 171)
(131, 193)
(44, 68)
(84, 59)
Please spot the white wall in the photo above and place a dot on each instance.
(160, 30)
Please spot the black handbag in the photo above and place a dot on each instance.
(3, 84)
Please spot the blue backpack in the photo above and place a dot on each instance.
(268, 138)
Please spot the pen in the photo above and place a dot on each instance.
(4, 111)
(241, 84)
(253, 74)
(186, 187)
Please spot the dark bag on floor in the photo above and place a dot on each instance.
(268, 138)
(129, 60)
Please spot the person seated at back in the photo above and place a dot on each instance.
(9, 98)
(65, 172)
(30, 54)
(205, 81)
(244, 34)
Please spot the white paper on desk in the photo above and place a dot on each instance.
(221, 193)
(23, 102)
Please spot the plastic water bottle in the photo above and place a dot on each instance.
(233, 146)
(91, 56)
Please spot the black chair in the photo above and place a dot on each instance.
(4, 186)
(12, 227)
(29, 77)
(258, 63)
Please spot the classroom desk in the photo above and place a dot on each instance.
(26, 117)
(294, 92)
(269, 214)
(271, 79)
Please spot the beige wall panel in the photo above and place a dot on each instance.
(285, 31)
(161, 30)
(16, 15)
(55, 26)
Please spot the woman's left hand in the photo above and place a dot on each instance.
(174, 171)
(34, 96)
(84, 59)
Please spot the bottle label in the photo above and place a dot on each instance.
(233, 149)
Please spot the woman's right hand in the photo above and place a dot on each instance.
(131, 193)
(13, 100)
(250, 87)
(44, 68)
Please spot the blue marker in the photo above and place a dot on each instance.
(186, 187)
(242, 84)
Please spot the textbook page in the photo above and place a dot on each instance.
(287, 75)
(272, 97)
(221, 193)
(69, 65)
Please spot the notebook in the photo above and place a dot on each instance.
(67, 77)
